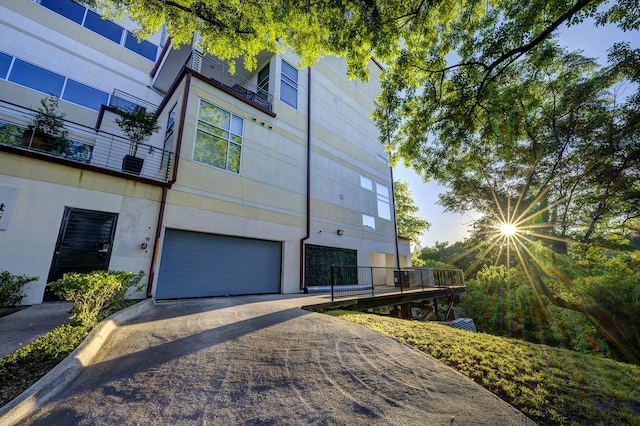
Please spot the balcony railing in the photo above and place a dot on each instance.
(82, 145)
(214, 69)
(347, 280)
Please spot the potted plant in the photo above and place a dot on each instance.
(137, 124)
(46, 132)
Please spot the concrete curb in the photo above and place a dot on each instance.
(70, 367)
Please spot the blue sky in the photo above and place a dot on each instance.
(594, 41)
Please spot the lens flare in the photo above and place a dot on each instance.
(508, 229)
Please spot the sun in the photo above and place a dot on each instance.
(508, 229)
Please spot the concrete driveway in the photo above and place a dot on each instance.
(261, 360)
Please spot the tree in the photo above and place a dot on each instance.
(488, 36)
(409, 225)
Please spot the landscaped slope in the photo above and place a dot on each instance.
(552, 386)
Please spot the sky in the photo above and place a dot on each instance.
(452, 227)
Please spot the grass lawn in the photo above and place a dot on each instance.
(551, 386)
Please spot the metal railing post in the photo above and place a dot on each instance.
(332, 283)
(372, 285)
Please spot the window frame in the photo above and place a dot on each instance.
(289, 82)
(368, 218)
(230, 143)
(384, 200)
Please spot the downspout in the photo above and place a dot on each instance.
(165, 189)
(308, 225)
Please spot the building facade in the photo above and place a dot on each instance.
(255, 182)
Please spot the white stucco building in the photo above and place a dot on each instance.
(254, 183)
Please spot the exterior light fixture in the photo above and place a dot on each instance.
(340, 231)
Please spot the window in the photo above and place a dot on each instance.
(382, 158)
(105, 28)
(94, 22)
(66, 8)
(83, 95)
(263, 82)
(289, 85)
(384, 206)
(5, 63)
(142, 47)
(366, 183)
(36, 78)
(50, 83)
(218, 138)
(368, 221)
(168, 137)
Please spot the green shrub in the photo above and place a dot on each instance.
(96, 295)
(12, 288)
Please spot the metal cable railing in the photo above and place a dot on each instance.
(347, 280)
(82, 144)
(216, 70)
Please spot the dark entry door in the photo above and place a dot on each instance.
(84, 243)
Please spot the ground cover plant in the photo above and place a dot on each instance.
(552, 386)
(96, 295)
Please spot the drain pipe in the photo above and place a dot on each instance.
(165, 189)
(308, 225)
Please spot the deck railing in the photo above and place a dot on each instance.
(82, 145)
(216, 70)
(349, 280)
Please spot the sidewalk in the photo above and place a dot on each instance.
(25, 326)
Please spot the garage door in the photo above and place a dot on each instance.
(198, 265)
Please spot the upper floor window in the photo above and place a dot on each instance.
(366, 183)
(5, 63)
(368, 221)
(218, 138)
(384, 205)
(50, 83)
(94, 22)
(289, 85)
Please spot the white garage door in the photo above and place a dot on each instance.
(194, 264)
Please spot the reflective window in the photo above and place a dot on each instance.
(384, 205)
(105, 28)
(36, 78)
(143, 48)
(218, 138)
(84, 95)
(5, 63)
(289, 85)
(66, 8)
(368, 221)
(366, 183)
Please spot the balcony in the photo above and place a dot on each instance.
(86, 147)
(215, 70)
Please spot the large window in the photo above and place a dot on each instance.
(289, 85)
(50, 83)
(5, 63)
(218, 138)
(263, 82)
(36, 78)
(94, 22)
(384, 205)
(84, 95)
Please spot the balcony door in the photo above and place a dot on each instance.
(84, 244)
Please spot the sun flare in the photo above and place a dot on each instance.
(508, 229)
